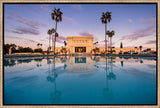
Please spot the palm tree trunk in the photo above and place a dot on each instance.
(49, 43)
(105, 38)
(106, 74)
(55, 37)
(111, 44)
(52, 42)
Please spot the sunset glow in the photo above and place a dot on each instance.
(27, 24)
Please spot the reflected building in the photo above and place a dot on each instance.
(80, 65)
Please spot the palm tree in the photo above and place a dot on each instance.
(106, 17)
(96, 43)
(121, 45)
(110, 35)
(65, 44)
(49, 33)
(57, 16)
(140, 47)
(38, 44)
(53, 31)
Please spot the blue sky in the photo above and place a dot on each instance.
(27, 24)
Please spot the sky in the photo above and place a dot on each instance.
(27, 24)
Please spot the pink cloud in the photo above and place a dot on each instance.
(151, 42)
(25, 30)
(20, 21)
(149, 31)
(85, 33)
(9, 17)
(29, 40)
(30, 23)
(150, 20)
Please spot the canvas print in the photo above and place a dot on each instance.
(80, 54)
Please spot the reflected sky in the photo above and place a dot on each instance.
(80, 80)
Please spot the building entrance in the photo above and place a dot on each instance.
(80, 49)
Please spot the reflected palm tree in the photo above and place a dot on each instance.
(106, 89)
(141, 61)
(108, 94)
(39, 61)
(96, 59)
(111, 74)
(55, 95)
(63, 59)
(65, 66)
(121, 63)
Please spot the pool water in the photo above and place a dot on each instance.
(80, 80)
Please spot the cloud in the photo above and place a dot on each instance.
(85, 33)
(69, 20)
(31, 23)
(78, 7)
(28, 27)
(148, 31)
(151, 42)
(23, 20)
(130, 20)
(20, 21)
(150, 20)
(9, 17)
(25, 30)
(13, 37)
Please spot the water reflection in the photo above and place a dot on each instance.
(141, 61)
(80, 59)
(97, 74)
(107, 91)
(78, 65)
(55, 95)
(62, 59)
(121, 63)
(9, 62)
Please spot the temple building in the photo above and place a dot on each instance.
(84, 44)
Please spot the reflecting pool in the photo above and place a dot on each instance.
(80, 80)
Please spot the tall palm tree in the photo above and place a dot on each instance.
(110, 35)
(49, 33)
(57, 16)
(106, 17)
(52, 31)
